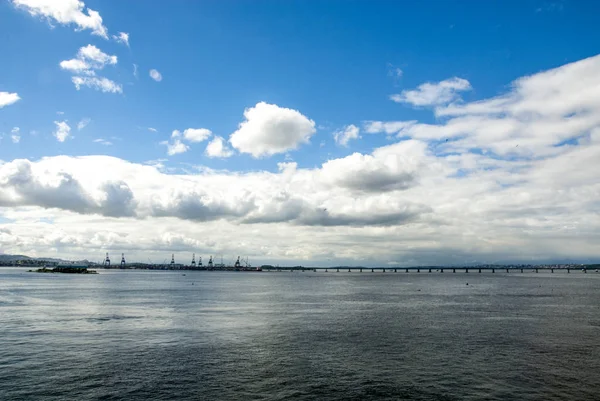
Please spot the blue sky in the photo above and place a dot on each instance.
(330, 60)
(333, 64)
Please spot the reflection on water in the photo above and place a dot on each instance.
(322, 336)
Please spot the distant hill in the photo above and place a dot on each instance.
(12, 258)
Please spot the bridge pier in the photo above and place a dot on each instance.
(466, 270)
(395, 270)
(372, 270)
(493, 270)
(552, 270)
(521, 270)
(338, 270)
(507, 270)
(568, 270)
(479, 270)
(453, 270)
(384, 270)
(585, 270)
(536, 270)
(407, 270)
(326, 270)
(441, 270)
(361, 270)
(429, 270)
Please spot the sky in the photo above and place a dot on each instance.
(301, 133)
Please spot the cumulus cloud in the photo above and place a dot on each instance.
(196, 134)
(101, 84)
(66, 12)
(323, 196)
(7, 98)
(342, 137)
(155, 75)
(176, 144)
(199, 206)
(62, 131)
(388, 169)
(432, 94)
(474, 198)
(15, 135)
(270, 129)
(217, 148)
(122, 37)
(175, 147)
(76, 66)
(95, 57)
(90, 59)
(24, 183)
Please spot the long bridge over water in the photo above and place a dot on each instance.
(241, 265)
(432, 269)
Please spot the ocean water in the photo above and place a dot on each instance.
(145, 335)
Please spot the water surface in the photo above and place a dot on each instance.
(141, 335)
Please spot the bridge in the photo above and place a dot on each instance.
(428, 269)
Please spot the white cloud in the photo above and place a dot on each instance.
(102, 141)
(89, 60)
(96, 57)
(217, 148)
(175, 147)
(197, 134)
(62, 130)
(152, 129)
(83, 123)
(66, 12)
(76, 66)
(60, 113)
(533, 120)
(135, 70)
(270, 129)
(7, 98)
(15, 135)
(98, 83)
(476, 198)
(155, 75)
(432, 94)
(342, 137)
(122, 37)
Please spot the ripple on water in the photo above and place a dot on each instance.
(140, 335)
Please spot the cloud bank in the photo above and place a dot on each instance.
(509, 178)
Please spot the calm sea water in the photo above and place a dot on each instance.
(140, 335)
